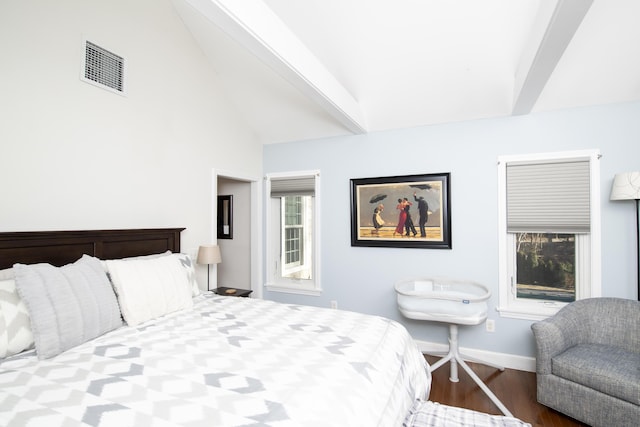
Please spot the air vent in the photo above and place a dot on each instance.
(103, 68)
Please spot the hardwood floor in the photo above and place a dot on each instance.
(515, 389)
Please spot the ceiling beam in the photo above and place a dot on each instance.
(546, 46)
(255, 26)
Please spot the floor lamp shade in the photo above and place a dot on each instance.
(626, 186)
(209, 254)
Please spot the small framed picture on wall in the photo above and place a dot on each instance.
(225, 217)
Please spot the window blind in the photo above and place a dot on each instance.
(297, 186)
(549, 196)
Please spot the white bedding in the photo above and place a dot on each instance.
(225, 362)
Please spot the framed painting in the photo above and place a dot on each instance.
(225, 217)
(412, 211)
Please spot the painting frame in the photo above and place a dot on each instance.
(376, 226)
(225, 217)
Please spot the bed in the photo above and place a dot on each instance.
(159, 352)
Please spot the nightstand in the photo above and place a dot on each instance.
(232, 292)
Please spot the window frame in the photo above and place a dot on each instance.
(274, 217)
(588, 259)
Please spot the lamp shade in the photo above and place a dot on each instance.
(209, 254)
(626, 186)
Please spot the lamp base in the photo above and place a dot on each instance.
(638, 245)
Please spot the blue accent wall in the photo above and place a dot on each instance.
(362, 278)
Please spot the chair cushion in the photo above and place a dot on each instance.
(607, 369)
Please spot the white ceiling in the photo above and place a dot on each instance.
(302, 69)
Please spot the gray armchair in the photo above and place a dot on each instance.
(588, 361)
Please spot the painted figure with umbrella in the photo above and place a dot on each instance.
(423, 208)
(378, 222)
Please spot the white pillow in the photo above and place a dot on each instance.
(187, 265)
(185, 261)
(149, 288)
(15, 323)
(7, 274)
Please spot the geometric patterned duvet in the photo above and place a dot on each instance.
(226, 362)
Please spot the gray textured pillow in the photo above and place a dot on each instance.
(68, 305)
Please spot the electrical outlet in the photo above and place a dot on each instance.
(490, 324)
(334, 304)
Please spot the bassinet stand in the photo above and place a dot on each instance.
(459, 303)
(455, 357)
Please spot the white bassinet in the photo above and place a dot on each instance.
(456, 302)
(443, 300)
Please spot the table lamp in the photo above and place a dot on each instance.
(209, 254)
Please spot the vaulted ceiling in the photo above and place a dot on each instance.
(302, 69)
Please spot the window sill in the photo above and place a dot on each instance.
(293, 289)
(533, 311)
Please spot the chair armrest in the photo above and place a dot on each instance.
(566, 328)
(550, 341)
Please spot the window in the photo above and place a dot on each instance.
(293, 229)
(297, 237)
(549, 225)
(292, 233)
(546, 266)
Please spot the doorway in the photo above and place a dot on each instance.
(239, 267)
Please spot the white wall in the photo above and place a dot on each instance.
(362, 279)
(75, 156)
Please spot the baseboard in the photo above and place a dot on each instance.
(511, 361)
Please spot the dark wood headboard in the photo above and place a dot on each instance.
(63, 247)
